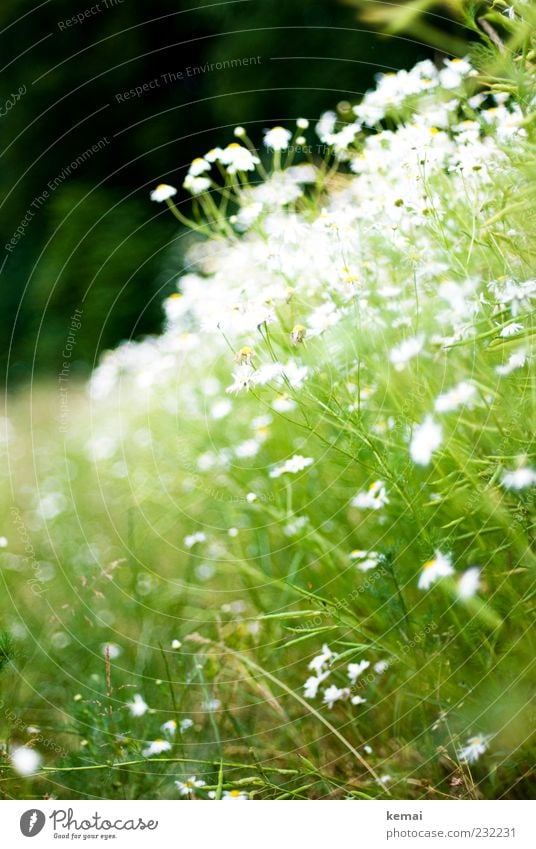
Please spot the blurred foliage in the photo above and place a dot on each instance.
(452, 25)
(95, 242)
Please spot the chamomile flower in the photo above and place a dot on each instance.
(163, 192)
(469, 583)
(234, 796)
(237, 158)
(374, 498)
(156, 747)
(520, 478)
(427, 438)
(296, 464)
(138, 706)
(169, 728)
(25, 761)
(188, 787)
(474, 748)
(365, 560)
(440, 566)
(277, 138)
(460, 395)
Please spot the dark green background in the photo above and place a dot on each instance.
(98, 243)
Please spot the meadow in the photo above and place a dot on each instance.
(285, 549)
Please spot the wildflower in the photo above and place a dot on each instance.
(238, 158)
(373, 498)
(366, 559)
(355, 670)
(454, 398)
(239, 132)
(427, 437)
(325, 658)
(358, 700)
(277, 138)
(192, 539)
(511, 329)
(176, 644)
(251, 497)
(198, 167)
(515, 361)
(196, 185)
(296, 464)
(243, 378)
(469, 583)
(520, 478)
(185, 724)
(310, 688)
(25, 761)
(297, 334)
(474, 747)
(3, 542)
(439, 566)
(156, 747)
(138, 706)
(302, 123)
(163, 192)
(188, 787)
(381, 667)
(244, 355)
(404, 352)
(232, 795)
(169, 727)
(334, 694)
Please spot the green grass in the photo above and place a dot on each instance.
(251, 608)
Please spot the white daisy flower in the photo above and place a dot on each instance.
(163, 192)
(519, 478)
(238, 158)
(469, 583)
(188, 787)
(296, 464)
(439, 566)
(234, 795)
(169, 727)
(196, 185)
(198, 167)
(25, 761)
(515, 361)
(365, 560)
(474, 748)
(358, 700)
(156, 747)
(138, 706)
(404, 352)
(185, 724)
(458, 396)
(277, 138)
(427, 438)
(373, 498)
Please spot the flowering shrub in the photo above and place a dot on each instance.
(328, 452)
